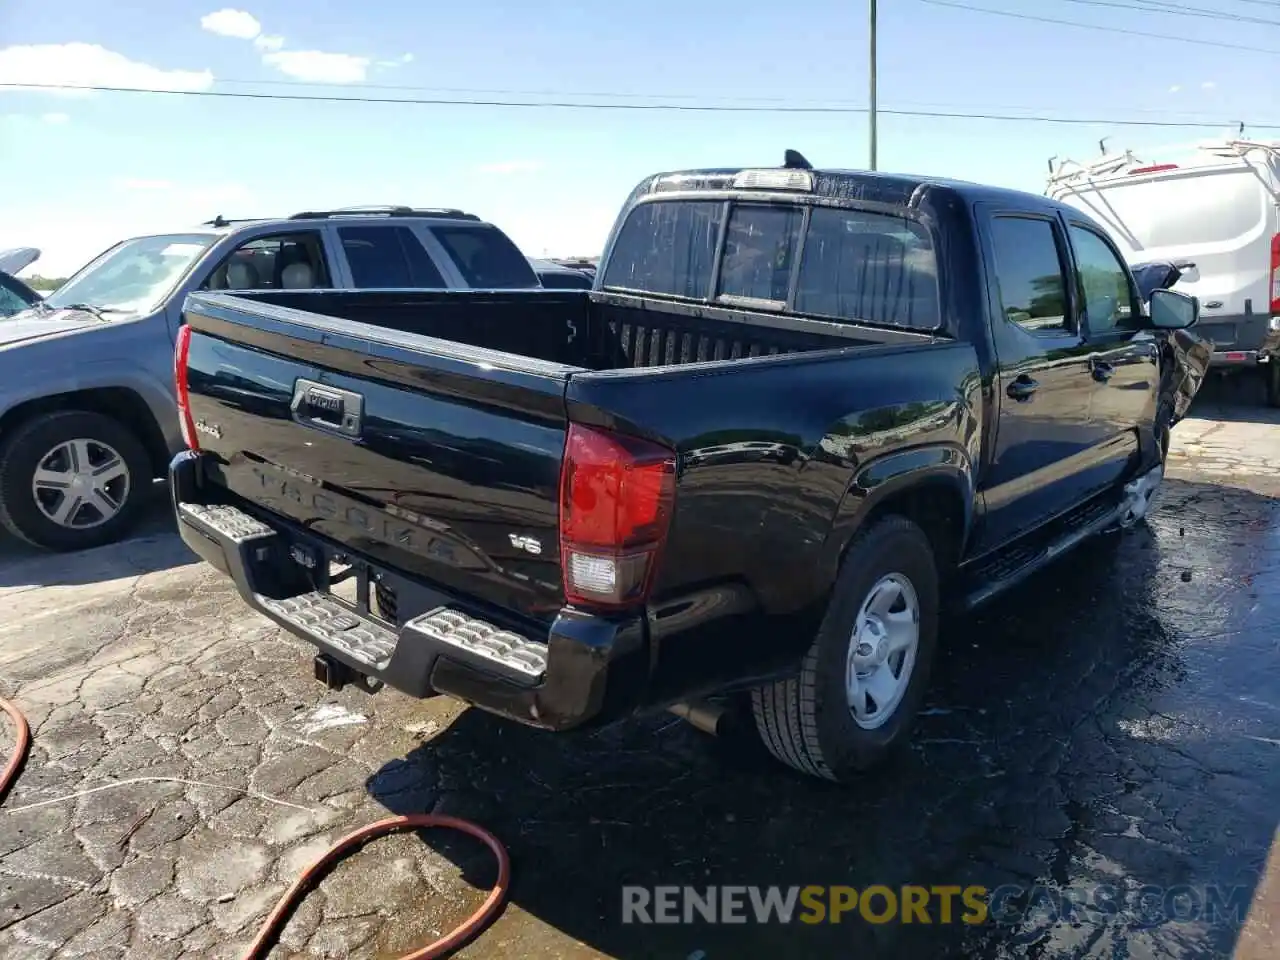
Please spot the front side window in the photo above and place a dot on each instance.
(667, 247)
(292, 261)
(1103, 282)
(869, 267)
(759, 248)
(134, 276)
(487, 258)
(1028, 268)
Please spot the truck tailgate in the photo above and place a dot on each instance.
(433, 458)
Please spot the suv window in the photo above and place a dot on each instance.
(287, 261)
(487, 257)
(11, 301)
(388, 257)
(667, 246)
(1029, 274)
(870, 267)
(759, 249)
(1103, 282)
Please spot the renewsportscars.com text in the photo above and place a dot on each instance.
(1146, 906)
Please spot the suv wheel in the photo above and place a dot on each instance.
(72, 480)
(861, 684)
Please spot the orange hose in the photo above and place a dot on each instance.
(22, 743)
(293, 896)
(467, 929)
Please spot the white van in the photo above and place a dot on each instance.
(1213, 210)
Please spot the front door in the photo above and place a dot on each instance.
(1124, 361)
(1043, 380)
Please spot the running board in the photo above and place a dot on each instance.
(1012, 566)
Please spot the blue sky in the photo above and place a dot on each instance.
(84, 170)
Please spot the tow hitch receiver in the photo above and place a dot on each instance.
(336, 675)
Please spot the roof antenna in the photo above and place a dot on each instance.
(794, 160)
(1240, 132)
(218, 221)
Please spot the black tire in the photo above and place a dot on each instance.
(806, 721)
(1271, 374)
(23, 453)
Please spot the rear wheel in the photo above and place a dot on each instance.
(862, 681)
(72, 480)
(1271, 373)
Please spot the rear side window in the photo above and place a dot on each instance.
(667, 247)
(487, 258)
(1029, 275)
(388, 257)
(869, 267)
(759, 249)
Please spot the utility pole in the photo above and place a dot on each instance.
(873, 83)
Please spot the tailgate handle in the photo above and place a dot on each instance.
(327, 408)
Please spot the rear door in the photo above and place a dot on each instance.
(1124, 360)
(1042, 449)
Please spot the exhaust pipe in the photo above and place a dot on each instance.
(705, 716)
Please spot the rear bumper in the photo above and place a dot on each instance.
(585, 670)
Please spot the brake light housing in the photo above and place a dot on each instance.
(1275, 275)
(180, 350)
(617, 493)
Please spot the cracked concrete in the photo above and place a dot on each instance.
(1113, 722)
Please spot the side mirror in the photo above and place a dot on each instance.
(1173, 311)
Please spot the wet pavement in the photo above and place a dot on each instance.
(1107, 735)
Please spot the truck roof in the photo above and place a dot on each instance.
(896, 189)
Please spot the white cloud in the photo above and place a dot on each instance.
(231, 23)
(511, 166)
(135, 183)
(267, 41)
(406, 58)
(57, 119)
(1208, 85)
(1175, 88)
(315, 66)
(89, 65)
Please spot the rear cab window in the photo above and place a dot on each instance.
(831, 263)
(486, 257)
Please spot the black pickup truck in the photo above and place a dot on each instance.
(798, 415)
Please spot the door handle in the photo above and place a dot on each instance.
(1102, 371)
(1022, 388)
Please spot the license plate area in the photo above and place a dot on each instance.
(346, 579)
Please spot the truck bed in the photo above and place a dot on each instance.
(589, 331)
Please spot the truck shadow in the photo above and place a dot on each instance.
(1234, 399)
(1105, 724)
(153, 545)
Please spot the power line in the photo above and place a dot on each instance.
(1179, 10)
(650, 107)
(1096, 26)
(632, 95)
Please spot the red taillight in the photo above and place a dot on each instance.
(1154, 168)
(1275, 275)
(616, 495)
(180, 387)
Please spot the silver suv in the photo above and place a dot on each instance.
(87, 411)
